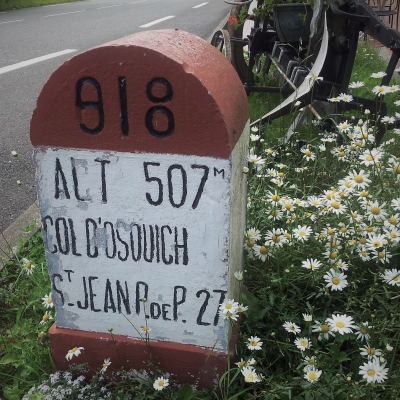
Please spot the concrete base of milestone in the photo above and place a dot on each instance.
(184, 363)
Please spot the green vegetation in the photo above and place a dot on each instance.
(321, 305)
(15, 4)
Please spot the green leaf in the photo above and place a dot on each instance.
(9, 358)
(185, 392)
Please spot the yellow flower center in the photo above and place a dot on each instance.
(333, 255)
(348, 184)
(392, 220)
(375, 210)
(311, 361)
(341, 154)
(371, 351)
(330, 231)
(340, 324)
(276, 238)
(281, 174)
(74, 350)
(352, 148)
(160, 383)
(303, 343)
(334, 245)
(287, 236)
(293, 217)
(369, 229)
(263, 250)
(45, 317)
(49, 300)
(312, 375)
(324, 328)
(274, 213)
(250, 243)
(288, 206)
(275, 197)
(363, 240)
(381, 254)
(354, 215)
(28, 265)
(335, 281)
(363, 330)
(335, 205)
(397, 170)
(371, 372)
(253, 343)
(308, 153)
(358, 179)
(241, 363)
(363, 193)
(344, 229)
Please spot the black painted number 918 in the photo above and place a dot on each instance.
(98, 106)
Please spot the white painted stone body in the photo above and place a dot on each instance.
(108, 206)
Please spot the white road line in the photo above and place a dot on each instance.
(200, 5)
(140, 1)
(55, 15)
(54, 5)
(156, 21)
(115, 5)
(8, 22)
(12, 67)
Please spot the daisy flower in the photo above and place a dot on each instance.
(254, 343)
(363, 331)
(370, 352)
(334, 99)
(302, 233)
(291, 327)
(380, 90)
(377, 211)
(307, 317)
(254, 129)
(250, 375)
(323, 329)
(388, 120)
(375, 242)
(76, 351)
(275, 238)
(311, 263)
(392, 277)
(29, 267)
(371, 157)
(344, 126)
(47, 301)
(229, 306)
(46, 318)
(373, 371)
(335, 280)
(359, 179)
(160, 383)
(342, 265)
(302, 343)
(145, 329)
(310, 361)
(233, 315)
(254, 138)
(356, 85)
(378, 75)
(337, 207)
(347, 98)
(105, 365)
(241, 308)
(395, 203)
(308, 154)
(312, 375)
(341, 323)
(238, 275)
(261, 252)
(253, 234)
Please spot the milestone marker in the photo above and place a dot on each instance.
(139, 148)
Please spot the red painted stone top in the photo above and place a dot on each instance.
(164, 91)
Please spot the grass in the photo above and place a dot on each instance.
(25, 358)
(16, 4)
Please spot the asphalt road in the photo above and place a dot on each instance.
(30, 33)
